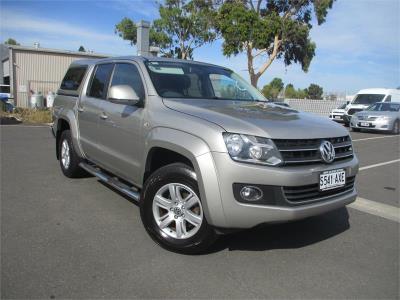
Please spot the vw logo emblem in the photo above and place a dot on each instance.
(327, 151)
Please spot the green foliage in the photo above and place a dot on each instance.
(11, 41)
(270, 29)
(272, 90)
(292, 93)
(314, 91)
(81, 49)
(183, 26)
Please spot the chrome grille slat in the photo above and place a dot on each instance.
(306, 151)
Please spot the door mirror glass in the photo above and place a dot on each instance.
(123, 94)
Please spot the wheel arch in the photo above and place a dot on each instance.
(193, 151)
(66, 120)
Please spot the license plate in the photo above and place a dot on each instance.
(364, 124)
(332, 179)
(337, 117)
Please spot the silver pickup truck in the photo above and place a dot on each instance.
(201, 150)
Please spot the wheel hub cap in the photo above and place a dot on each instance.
(65, 154)
(177, 211)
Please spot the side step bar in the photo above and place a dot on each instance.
(131, 192)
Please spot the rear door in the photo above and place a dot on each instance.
(90, 110)
(120, 138)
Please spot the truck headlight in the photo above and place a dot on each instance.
(252, 149)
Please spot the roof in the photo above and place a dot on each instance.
(143, 59)
(378, 91)
(57, 51)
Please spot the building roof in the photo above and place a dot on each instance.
(57, 51)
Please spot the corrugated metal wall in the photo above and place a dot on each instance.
(319, 107)
(39, 71)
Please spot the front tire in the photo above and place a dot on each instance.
(172, 212)
(69, 159)
(396, 127)
(355, 129)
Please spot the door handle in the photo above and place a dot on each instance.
(103, 116)
(81, 109)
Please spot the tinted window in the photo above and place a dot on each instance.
(368, 98)
(73, 79)
(100, 80)
(128, 74)
(388, 99)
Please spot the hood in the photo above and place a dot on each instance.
(366, 113)
(259, 118)
(337, 110)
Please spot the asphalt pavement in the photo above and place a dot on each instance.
(65, 238)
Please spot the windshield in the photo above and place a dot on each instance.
(383, 106)
(368, 98)
(193, 81)
(342, 106)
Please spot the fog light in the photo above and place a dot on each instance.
(251, 193)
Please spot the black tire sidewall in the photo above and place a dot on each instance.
(174, 173)
(394, 131)
(74, 170)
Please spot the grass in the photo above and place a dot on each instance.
(28, 115)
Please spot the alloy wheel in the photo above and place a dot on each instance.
(177, 211)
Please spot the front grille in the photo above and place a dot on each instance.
(306, 151)
(311, 192)
(352, 111)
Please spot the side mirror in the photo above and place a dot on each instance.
(123, 94)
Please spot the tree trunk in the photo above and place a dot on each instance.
(252, 74)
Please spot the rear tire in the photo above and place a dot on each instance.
(396, 127)
(172, 213)
(69, 159)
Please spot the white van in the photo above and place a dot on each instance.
(367, 97)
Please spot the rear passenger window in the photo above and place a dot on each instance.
(128, 74)
(73, 79)
(100, 80)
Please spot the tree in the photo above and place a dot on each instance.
(11, 41)
(81, 49)
(314, 91)
(272, 90)
(270, 29)
(292, 93)
(183, 26)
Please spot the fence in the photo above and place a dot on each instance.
(319, 107)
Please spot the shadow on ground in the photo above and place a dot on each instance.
(279, 236)
(288, 235)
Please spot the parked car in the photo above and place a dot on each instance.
(200, 149)
(337, 113)
(5, 97)
(367, 97)
(382, 116)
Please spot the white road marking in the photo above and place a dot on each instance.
(380, 164)
(376, 137)
(378, 209)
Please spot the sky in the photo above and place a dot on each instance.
(357, 47)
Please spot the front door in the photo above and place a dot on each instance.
(90, 110)
(121, 138)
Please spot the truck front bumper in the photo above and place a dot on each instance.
(276, 207)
